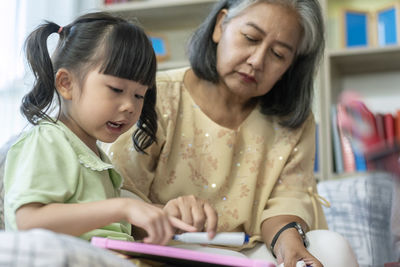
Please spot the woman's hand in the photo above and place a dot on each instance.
(289, 249)
(158, 224)
(194, 211)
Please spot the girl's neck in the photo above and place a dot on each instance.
(89, 141)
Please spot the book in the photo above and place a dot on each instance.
(179, 256)
(337, 149)
(380, 126)
(349, 164)
(397, 126)
(359, 159)
(316, 160)
(370, 136)
(388, 122)
(366, 134)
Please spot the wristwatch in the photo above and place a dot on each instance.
(302, 234)
(287, 226)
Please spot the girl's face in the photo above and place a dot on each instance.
(105, 107)
(256, 47)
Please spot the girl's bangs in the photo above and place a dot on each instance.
(129, 54)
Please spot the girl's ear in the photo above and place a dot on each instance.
(64, 83)
(218, 26)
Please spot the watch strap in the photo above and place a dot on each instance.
(295, 225)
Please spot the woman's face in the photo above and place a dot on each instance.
(256, 48)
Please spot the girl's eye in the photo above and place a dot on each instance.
(139, 96)
(116, 90)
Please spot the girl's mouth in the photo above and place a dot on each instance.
(114, 125)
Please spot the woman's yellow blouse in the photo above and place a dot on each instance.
(250, 174)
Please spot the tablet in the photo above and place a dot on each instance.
(173, 256)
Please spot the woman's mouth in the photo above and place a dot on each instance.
(247, 78)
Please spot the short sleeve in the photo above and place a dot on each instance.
(295, 192)
(40, 167)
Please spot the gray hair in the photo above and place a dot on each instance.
(305, 10)
(291, 97)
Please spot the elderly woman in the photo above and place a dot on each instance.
(236, 145)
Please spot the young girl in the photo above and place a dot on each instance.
(102, 75)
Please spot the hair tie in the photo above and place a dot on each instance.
(60, 30)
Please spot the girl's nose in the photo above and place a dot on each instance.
(128, 105)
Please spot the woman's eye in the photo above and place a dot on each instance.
(250, 38)
(276, 54)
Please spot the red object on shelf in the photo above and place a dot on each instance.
(389, 128)
(385, 158)
(397, 125)
(381, 149)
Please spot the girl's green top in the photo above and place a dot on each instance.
(50, 164)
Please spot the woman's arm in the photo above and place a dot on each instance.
(77, 219)
(289, 247)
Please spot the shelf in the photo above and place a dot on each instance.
(163, 12)
(372, 72)
(364, 60)
(155, 4)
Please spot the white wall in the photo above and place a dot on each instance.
(17, 19)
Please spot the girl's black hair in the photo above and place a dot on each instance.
(119, 47)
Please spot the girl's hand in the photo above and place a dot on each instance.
(194, 211)
(78, 218)
(159, 226)
(290, 248)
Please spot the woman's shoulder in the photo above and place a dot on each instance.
(169, 91)
(308, 122)
(171, 76)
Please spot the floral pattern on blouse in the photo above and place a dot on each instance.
(249, 174)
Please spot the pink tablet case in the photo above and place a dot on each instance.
(176, 256)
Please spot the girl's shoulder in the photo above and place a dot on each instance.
(40, 140)
(44, 130)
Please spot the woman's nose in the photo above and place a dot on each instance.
(257, 58)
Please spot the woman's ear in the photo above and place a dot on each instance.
(218, 26)
(64, 83)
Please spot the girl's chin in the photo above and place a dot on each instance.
(108, 138)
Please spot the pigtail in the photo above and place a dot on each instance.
(146, 131)
(37, 102)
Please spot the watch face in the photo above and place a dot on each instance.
(302, 234)
(298, 227)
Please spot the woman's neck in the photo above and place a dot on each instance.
(215, 101)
